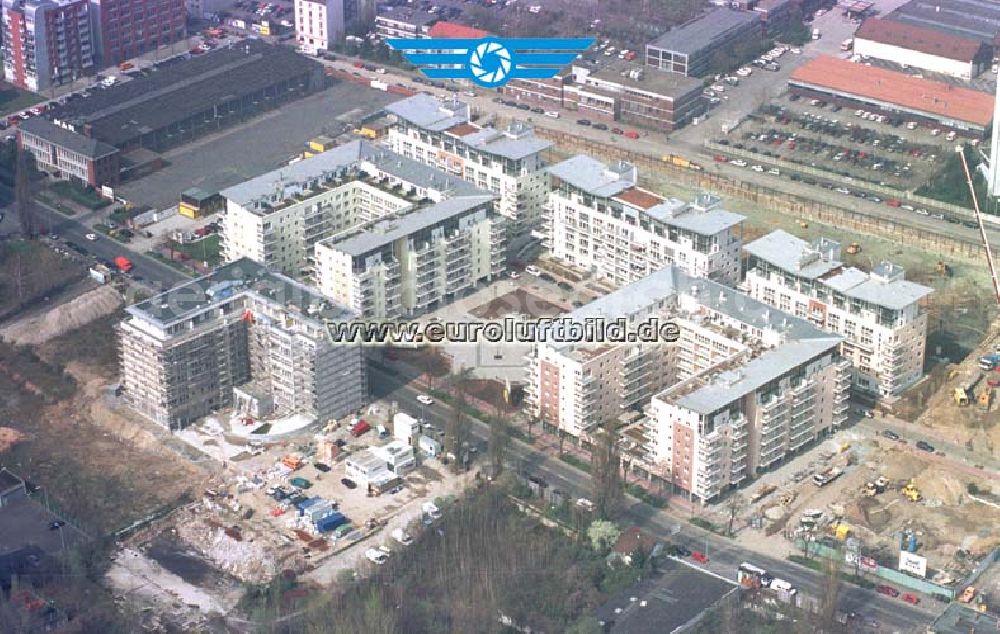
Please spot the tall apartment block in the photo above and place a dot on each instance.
(743, 387)
(376, 231)
(124, 29)
(46, 42)
(241, 329)
(411, 265)
(878, 313)
(599, 219)
(506, 162)
(320, 24)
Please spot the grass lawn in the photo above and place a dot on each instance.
(14, 99)
(204, 250)
(79, 194)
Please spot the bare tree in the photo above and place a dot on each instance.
(23, 196)
(608, 487)
(831, 591)
(457, 431)
(532, 421)
(735, 505)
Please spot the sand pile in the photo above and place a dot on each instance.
(8, 438)
(937, 484)
(78, 312)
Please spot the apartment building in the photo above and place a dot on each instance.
(320, 24)
(405, 22)
(384, 234)
(124, 29)
(506, 162)
(743, 386)
(185, 351)
(878, 313)
(407, 266)
(599, 219)
(46, 42)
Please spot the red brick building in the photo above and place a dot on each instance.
(46, 42)
(124, 29)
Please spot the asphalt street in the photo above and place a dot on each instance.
(155, 274)
(725, 557)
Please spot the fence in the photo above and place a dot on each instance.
(987, 561)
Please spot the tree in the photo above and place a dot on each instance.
(562, 437)
(457, 431)
(499, 442)
(23, 196)
(735, 505)
(607, 482)
(532, 421)
(831, 591)
(602, 534)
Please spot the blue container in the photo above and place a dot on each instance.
(330, 522)
(912, 545)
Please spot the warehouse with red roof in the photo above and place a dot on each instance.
(893, 93)
(456, 31)
(920, 47)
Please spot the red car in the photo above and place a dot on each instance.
(911, 598)
(362, 427)
(699, 556)
(892, 202)
(631, 134)
(888, 591)
(720, 158)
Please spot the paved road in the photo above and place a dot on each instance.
(725, 556)
(956, 457)
(155, 274)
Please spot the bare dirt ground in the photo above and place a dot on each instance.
(61, 319)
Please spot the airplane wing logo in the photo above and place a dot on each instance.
(490, 62)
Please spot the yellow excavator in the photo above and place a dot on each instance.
(911, 492)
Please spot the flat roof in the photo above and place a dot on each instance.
(173, 92)
(227, 281)
(415, 17)
(702, 32)
(387, 231)
(890, 87)
(292, 179)
(666, 602)
(979, 19)
(672, 85)
(516, 141)
(884, 287)
(594, 177)
(918, 38)
(67, 139)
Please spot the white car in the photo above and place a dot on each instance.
(431, 509)
(423, 399)
(738, 163)
(757, 168)
(552, 113)
(376, 556)
(91, 236)
(796, 51)
(531, 269)
(774, 171)
(380, 71)
(745, 72)
(514, 275)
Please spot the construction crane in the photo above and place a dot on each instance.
(979, 220)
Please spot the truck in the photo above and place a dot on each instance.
(816, 34)
(300, 483)
(826, 477)
(359, 428)
(847, 44)
(989, 362)
(123, 264)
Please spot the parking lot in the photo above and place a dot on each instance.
(263, 144)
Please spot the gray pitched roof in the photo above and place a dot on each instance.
(592, 176)
(48, 131)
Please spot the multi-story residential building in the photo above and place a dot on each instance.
(57, 149)
(878, 313)
(597, 218)
(124, 29)
(183, 352)
(404, 22)
(743, 386)
(46, 42)
(506, 162)
(320, 24)
(369, 226)
(411, 265)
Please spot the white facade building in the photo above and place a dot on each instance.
(878, 314)
(925, 48)
(507, 163)
(383, 234)
(713, 420)
(319, 24)
(598, 219)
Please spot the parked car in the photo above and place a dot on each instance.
(584, 122)
(888, 591)
(599, 126)
(699, 557)
(56, 525)
(91, 236)
(514, 275)
(325, 468)
(891, 435)
(423, 399)
(924, 446)
(531, 269)
(679, 551)
(566, 286)
(347, 482)
(552, 113)
(376, 556)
